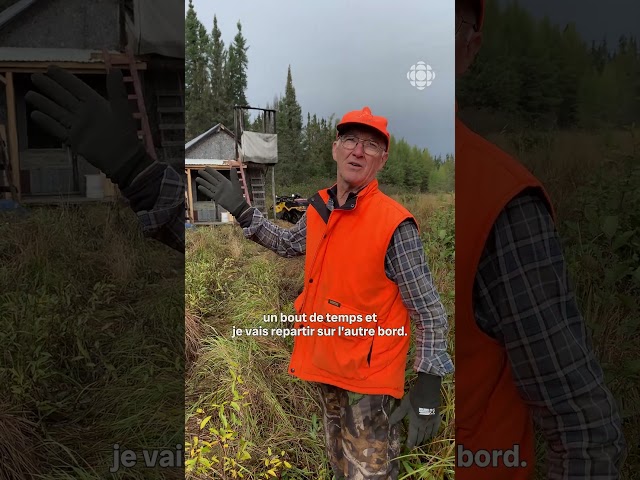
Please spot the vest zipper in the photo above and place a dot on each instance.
(324, 236)
(315, 256)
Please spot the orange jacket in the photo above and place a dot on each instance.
(344, 275)
(490, 415)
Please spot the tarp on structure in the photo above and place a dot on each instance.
(154, 30)
(259, 148)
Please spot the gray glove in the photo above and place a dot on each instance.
(226, 193)
(421, 404)
(102, 131)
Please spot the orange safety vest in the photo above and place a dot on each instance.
(345, 275)
(490, 414)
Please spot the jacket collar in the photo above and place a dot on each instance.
(363, 191)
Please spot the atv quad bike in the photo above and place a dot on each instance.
(291, 208)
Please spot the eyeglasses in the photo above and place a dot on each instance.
(370, 147)
(460, 20)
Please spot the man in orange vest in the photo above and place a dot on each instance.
(522, 349)
(365, 277)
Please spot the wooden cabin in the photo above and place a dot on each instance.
(216, 148)
(74, 34)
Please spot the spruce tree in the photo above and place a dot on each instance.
(221, 108)
(236, 73)
(289, 118)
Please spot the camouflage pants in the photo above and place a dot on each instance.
(360, 443)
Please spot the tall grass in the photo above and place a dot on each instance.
(91, 316)
(312, 185)
(243, 409)
(593, 180)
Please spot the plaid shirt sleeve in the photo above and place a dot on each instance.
(523, 299)
(165, 221)
(286, 242)
(406, 265)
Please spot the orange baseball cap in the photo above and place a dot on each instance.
(365, 117)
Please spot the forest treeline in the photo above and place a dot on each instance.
(549, 76)
(216, 80)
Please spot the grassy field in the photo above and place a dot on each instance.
(91, 317)
(245, 414)
(593, 180)
(91, 334)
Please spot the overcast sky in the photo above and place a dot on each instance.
(345, 54)
(348, 54)
(594, 19)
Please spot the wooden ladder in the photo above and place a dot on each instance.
(170, 105)
(257, 182)
(132, 77)
(243, 181)
(7, 188)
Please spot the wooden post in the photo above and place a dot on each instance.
(190, 195)
(14, 152)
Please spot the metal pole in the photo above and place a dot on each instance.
(273, 189)
(235, 129)
(273, 174)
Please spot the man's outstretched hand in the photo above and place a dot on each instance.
(227, 193)
(103, 131)
(421, 404)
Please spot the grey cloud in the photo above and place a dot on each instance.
(345, 55)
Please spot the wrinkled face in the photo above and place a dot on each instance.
(468, 40)
(359, 165)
